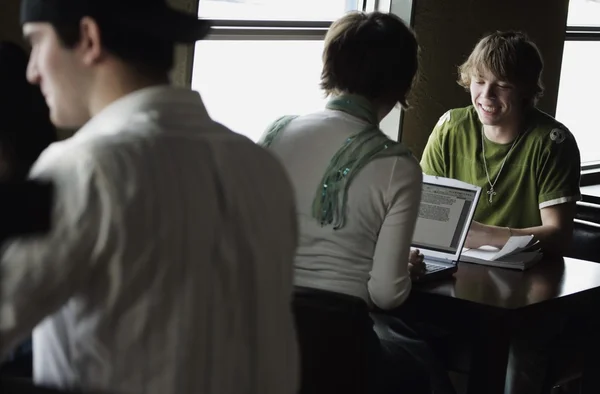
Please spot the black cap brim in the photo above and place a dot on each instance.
(170, 25)
(157, 20)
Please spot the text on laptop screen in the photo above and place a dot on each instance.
(443, 215)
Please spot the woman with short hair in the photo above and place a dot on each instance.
(358, 195)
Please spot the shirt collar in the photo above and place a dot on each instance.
(124, 110)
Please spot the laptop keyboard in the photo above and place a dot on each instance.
(433, 267)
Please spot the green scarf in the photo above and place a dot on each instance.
(329, 204)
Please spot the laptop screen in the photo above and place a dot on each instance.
(444, 214)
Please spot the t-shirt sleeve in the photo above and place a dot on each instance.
(433, 161)
(560, 170)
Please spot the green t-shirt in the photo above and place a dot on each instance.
(542, 170)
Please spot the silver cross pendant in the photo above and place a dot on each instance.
(491, 193)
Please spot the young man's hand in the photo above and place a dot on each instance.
(481, 234)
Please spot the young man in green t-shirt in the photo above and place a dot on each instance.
(527, 163)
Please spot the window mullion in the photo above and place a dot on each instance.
(370, 5)
(268, 30)
(242, 34)
(266, 24)
(583, 33)
(384, 5)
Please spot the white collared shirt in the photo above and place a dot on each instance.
(169, 266)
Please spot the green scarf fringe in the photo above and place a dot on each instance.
(329, 204)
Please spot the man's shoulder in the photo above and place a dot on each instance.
(264, 166)
(60, 157)
(548, 131)
(239, 154)
(457, 119)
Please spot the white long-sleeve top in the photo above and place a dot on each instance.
(169, 265)
(368, 257)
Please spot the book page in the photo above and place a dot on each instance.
(514, 244)
(483, 253)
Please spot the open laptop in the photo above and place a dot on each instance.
(445, 215)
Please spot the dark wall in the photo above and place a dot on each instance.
(9, 21)
(448, 30)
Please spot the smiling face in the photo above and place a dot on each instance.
(59, 72)
(503, 75)
(498, 103)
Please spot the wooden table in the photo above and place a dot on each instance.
(490, 305)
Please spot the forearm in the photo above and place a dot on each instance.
(553, 239)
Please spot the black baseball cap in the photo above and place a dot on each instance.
(153, 18)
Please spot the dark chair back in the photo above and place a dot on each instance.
(588, 212)
(585, 244)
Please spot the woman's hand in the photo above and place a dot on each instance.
(416, 266)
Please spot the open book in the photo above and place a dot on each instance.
(519, 252)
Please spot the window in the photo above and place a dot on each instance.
(577, 104)
(249, 84)
(263, 59)
(297, 10)
(584, 13)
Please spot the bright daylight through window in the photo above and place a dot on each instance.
(264, 60)
(298, 10)
(246, 85)
(577, 105)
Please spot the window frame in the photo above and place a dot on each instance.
(275, 30)
(234, 29)
(590, 172)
